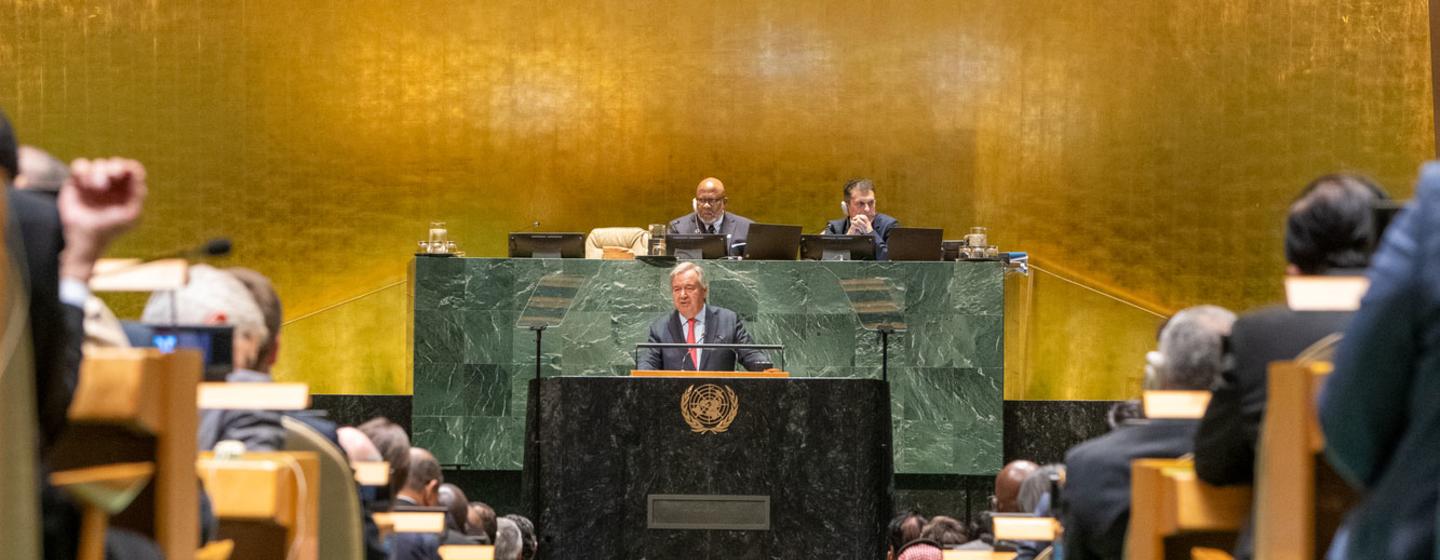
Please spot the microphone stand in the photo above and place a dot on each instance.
(885, 332)
(539, 330)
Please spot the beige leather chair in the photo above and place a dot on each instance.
(341, 535)
(636, 240)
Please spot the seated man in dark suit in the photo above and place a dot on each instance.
(709, 216)
(422, 488)
(861, 217)
(693, 321)
(1097, 484)
(1329, 227)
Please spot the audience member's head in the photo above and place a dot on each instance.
(1037, 486)
(1192, 350)
(269, 302)
(945, 531)
(1331, 225)
(394, 447)
(9, 156)
(507, 540)
(423, 484)
(1007, 486)
(357, 445)
(903, 529)
(457, 508)
(214, 297)
(481, 522)
(920, 551)
(528, 542)
(40, 171)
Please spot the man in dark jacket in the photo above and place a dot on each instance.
(1329, 228)
(1097, 485)
(862, 217)
(694, 321)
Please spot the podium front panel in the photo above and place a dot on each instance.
(603, 452)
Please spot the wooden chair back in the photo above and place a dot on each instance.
(1299, 500)
(138, 405)
(267, 502)
(1168, 500)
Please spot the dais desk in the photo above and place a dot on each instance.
(472, 364)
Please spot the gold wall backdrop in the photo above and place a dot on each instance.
(1141, 151)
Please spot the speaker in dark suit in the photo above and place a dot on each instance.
(710, 216)
(861, 217)
(693, 321)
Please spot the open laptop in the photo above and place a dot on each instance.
(772, 242)
(915, 244)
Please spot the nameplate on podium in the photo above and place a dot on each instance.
(767, 374)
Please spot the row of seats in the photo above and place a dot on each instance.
(1297, 506)
(130, 459)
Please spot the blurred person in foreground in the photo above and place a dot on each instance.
(1378, 409)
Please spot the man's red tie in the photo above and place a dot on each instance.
(690, 339)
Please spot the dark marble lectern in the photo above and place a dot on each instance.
(702, 468)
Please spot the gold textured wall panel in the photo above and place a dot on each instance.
(1146, 148)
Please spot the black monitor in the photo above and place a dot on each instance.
(837, 247)
(547, 245)
(696, 245)
(215, 343)
(915, 244)
(1384, 213)
(772, 242)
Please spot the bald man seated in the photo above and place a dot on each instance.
(710, 217)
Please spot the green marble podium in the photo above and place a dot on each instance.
(472, 364)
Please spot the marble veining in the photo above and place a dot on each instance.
(471, 362)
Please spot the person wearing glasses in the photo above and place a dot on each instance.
(709, 216)
(861, 218)
(692, 322)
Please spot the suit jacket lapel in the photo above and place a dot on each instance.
(708, 357)
(677, 334)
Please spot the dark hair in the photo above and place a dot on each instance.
(457, 508)
(423, 469)
(905, 528)
(945, 531)
(394, 446)
(1332, 224)
(860, 184)
(9, 150)
(487, 522)
(528, 543)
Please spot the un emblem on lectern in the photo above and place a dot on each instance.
(709, 408)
